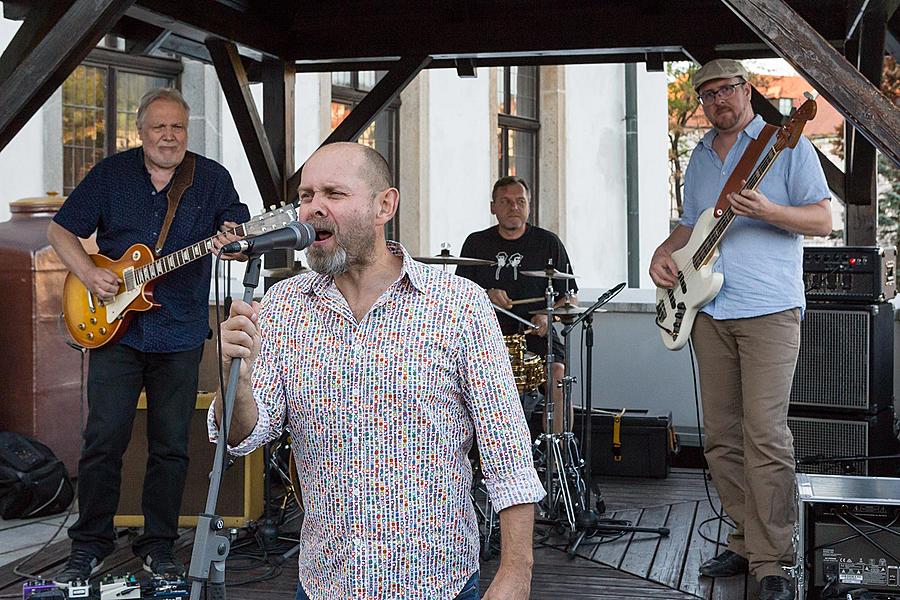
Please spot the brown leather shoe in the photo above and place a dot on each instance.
(725, 565)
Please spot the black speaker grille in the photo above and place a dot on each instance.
(833, 366)
(830, 438)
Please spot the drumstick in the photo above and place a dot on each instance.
(527, 300)
(528, 324)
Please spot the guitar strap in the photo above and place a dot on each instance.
(184, 178)
(744, 167)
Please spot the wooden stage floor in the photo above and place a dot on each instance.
(634, 566)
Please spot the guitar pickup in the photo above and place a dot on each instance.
(682, 282)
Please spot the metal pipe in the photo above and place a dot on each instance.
(631, 176)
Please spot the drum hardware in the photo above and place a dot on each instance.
(588, 521)
(445, 258)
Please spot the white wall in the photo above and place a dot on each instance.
(460, 149)
(22, 161)
(596, 206)
(595, 174)
(653, 167)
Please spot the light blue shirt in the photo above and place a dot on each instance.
(762, 264)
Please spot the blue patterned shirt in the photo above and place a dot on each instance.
(382, 414)
(118, 201)
(762, 264)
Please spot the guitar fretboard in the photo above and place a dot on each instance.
(137, 277)
(715, 235)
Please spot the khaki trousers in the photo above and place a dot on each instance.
(746, 370)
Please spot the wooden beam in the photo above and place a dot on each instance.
(861, 103)
(200, 19)
(540, 25)
(833, 175)
(140, 37)
(44, 62)
(37, 24)
(384, 92)
(236, 88)
(278, 79)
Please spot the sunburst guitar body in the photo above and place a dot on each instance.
(93, 323)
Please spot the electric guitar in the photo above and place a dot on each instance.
(93, 323)
(677, 307)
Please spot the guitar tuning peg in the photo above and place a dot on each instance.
(811, 95)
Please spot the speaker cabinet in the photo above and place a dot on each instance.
(240, 496)
(818, 441)
(846, 358)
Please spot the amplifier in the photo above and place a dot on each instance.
(849, 273)
(849, 534)
(240, 493)
(821, 442)
(846, 360)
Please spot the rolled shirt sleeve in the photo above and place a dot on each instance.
(491, 395)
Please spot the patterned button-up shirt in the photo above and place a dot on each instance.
(382, 414)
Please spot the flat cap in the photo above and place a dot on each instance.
(721, 68)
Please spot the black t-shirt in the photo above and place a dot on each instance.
(527, 253)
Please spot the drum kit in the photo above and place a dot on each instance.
(566, 475)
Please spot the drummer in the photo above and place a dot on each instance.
(515, 245)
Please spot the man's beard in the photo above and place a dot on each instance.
(355, 248)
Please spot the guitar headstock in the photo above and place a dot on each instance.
(269, 221)
(790, 132)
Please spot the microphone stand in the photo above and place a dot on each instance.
(589, 520)
(210, 546)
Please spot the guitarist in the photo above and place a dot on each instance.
(125, 199)
(747, 338)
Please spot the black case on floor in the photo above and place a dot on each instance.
(647, 443)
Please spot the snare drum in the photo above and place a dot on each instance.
(528, 368)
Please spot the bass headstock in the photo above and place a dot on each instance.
(790, 132)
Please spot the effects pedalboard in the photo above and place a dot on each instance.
(125, 587)
(861, 274)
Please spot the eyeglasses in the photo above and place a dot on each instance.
(726, 91)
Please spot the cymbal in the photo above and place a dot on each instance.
(445, 258)
(549, 272)
(563, 311)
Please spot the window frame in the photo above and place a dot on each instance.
(114, 62)
(507, 122)
(352, 96)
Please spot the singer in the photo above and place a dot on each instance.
(383, 370)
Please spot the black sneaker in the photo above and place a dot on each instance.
(161, 561)
(82, 565)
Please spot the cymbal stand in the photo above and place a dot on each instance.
(553, 442)
(589, 521)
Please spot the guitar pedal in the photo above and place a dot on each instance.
(119, 588)
(168, 587)
(35, 586)
(79, 589)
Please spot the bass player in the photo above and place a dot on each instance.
(747, 338)
(161, 195)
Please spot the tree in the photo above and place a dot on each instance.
(682, 106)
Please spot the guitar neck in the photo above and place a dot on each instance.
(170, 262)
(718, 231)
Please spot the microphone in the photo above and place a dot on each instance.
(295, 236)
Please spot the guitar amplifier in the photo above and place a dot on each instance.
(821, 442)
(846, 360)
(863, 274)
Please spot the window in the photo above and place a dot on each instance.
(99, 104)
(348, 88)
(517, 127)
